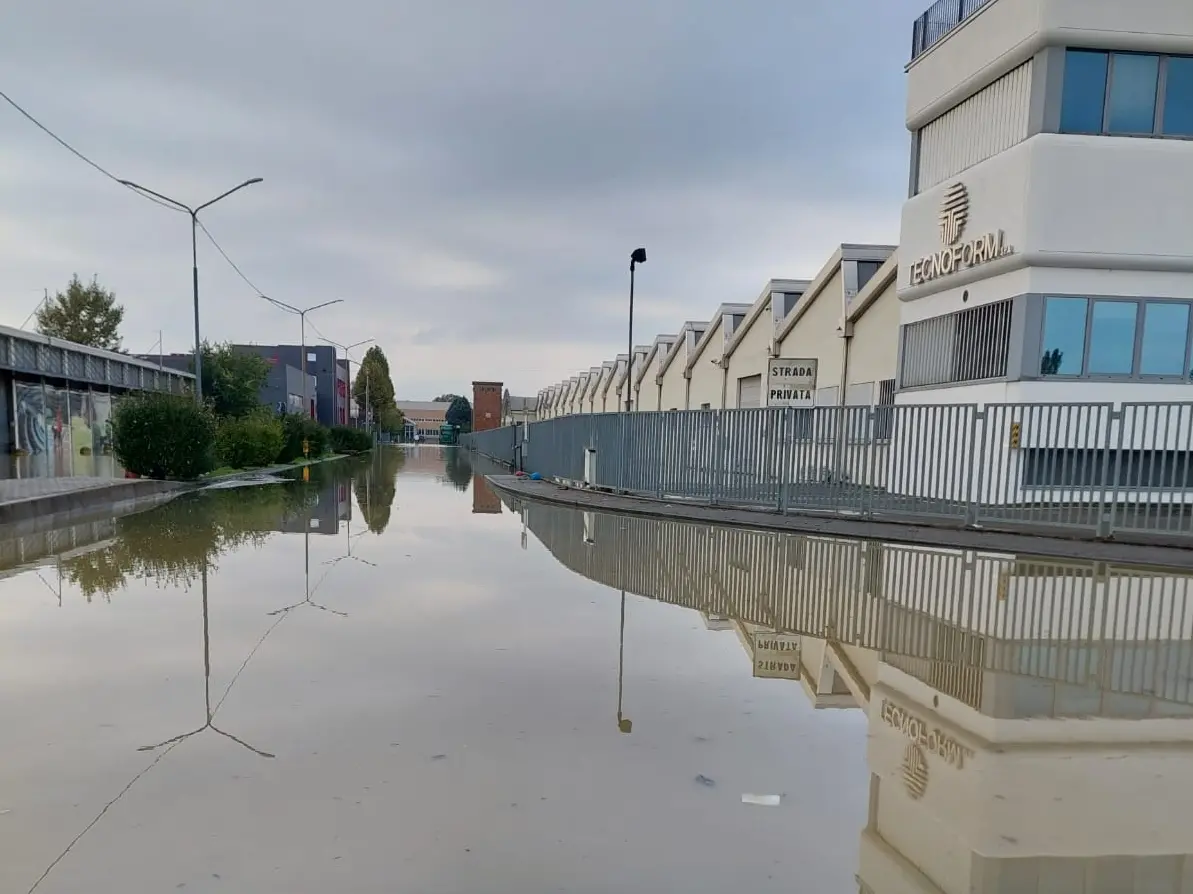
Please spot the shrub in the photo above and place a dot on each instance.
(345, 439)
(163, 436)
(249, 441)
(296, 429)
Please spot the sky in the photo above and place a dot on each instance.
(470, 177)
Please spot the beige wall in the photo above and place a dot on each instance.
(707, 377)
(815, 333)
(752, 352)
(874, 349)
(673, 395)
(648, 389)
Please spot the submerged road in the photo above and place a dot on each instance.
(383, 679)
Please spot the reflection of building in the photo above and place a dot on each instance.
(484, 498)
(332, 505)
(1030, 720)
(424, 417)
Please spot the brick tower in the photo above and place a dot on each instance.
(486, 405)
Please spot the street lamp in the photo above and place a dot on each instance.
(194, 213)
(637, 256)
(302, 316)
(368, 375)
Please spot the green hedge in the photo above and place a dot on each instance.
(345, 439)
(296, 429)
(163, 436)
(249, 442)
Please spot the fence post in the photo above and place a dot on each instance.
(977, 457)
(783, 457)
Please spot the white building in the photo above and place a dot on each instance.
(1046, 252)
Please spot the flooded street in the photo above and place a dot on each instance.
(374, 687)
(387, 679)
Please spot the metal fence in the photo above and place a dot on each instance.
(948, 617)
(941, 18)
(1098, 468)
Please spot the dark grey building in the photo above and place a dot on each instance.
(330, 402)
(282, 390)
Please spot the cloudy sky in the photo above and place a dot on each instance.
(469, 175)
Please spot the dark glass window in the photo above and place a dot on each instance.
(1178, 98)
(1112, 338)
(1083, 100)
(1134, 79)
(1064, 336)
(1165, 334)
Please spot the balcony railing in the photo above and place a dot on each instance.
(942, 17)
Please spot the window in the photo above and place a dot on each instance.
(1178, 98)
(1127, 94)
(1084, 92)
(968, 346)
(1064, 337)
(1165, 329)
(1131, 104)
(1115, 337)
(866, 271)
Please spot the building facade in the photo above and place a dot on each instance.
(1047, 245)
(329, 404)
(423, 418)
(486, 405)
(57, 397)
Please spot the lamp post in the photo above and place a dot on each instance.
(637, 256)
(302, 316)
(348, 356)
(194, 213)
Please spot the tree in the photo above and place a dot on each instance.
(373, 382)
(446, 398)
(232, 380)
(84, 314)
(459, 414)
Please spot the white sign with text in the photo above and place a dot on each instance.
(792, 382)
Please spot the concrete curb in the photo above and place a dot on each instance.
(1044, 543)
(73, 503)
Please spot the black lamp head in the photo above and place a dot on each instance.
(638, 256)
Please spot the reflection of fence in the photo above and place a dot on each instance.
(946, 616)
(1094, 467)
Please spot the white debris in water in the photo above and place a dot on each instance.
(251, 481)
(761, 800)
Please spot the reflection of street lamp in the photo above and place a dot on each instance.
(286, 609)
(194, 213)
(302, 316)
(211, 712)
(348, 526)
(624, 724)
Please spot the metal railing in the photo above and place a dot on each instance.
(1097, 468)
(948, 617)
(941, 18)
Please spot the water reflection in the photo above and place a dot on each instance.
(1030, 721)
(209, 723)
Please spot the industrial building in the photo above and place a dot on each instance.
(1014, 283)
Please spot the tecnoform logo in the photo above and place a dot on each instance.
(954, 212)
(915, 771)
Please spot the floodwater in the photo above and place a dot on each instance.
(386, 679)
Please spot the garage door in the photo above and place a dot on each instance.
(749, 392)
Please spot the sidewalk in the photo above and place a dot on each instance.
(1049, 542)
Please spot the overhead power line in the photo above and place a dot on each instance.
(101, 169)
